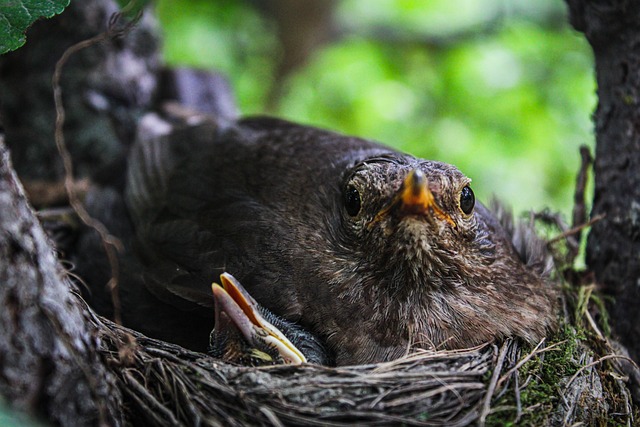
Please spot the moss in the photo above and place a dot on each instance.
(545, 374)
(539, 380)
(543, 380)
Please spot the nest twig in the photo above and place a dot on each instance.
(164, 384)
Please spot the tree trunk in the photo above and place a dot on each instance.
(613, 251)
(49, 364)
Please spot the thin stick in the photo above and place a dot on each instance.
(150, 403)
(486, 407)
(516, 388)
(110, 243)
(602, 359)
(522, 362)
(271, 416)
(593, 325)
(528, 357)
(579, 214)
(579, 209)
(576, 229)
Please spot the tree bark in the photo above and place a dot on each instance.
(612, 27)
(49, 364)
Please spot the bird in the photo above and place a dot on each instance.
(247, 334)
(373, 251)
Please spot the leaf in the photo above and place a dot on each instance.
(17, 15)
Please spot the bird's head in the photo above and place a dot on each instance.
(413, 220)
(415, 259)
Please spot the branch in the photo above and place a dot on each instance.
(49, 364)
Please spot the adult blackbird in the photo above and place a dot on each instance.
(372, 250)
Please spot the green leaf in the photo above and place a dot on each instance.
(17, 15)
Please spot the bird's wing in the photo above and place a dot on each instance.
(166, 223)
(157, 156)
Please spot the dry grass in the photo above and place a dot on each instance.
(565, 382)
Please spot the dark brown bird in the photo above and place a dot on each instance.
(371, 250)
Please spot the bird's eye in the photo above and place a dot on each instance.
(352, 200)
(467, 200)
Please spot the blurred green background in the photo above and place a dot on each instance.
(503, 89)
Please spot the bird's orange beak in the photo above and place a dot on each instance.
(415, 198)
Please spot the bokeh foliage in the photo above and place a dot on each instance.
(504, 89)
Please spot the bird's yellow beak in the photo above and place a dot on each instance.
(415, 195)
(415, 198)
(242, 309)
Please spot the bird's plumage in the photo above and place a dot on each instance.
(264, 200)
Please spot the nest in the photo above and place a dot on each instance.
(574, 377)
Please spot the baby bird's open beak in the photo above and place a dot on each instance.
(234, 302)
